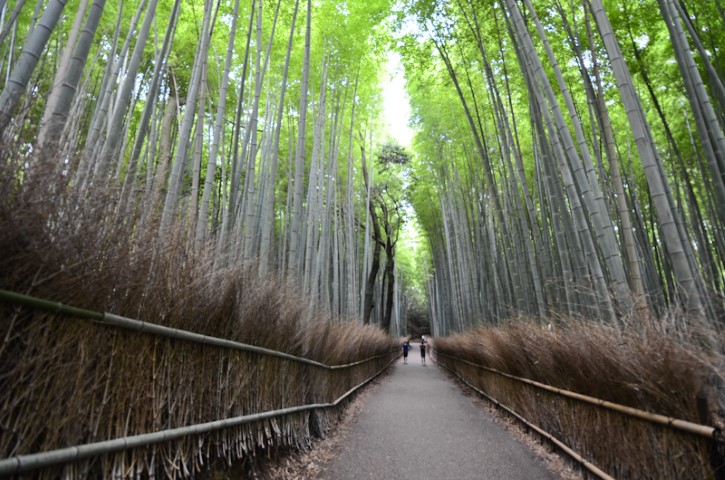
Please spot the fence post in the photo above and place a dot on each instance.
(716, 457)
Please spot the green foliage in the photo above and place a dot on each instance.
(392, 153)
(485, 158)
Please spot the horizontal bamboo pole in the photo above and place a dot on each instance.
(36, 461)
(28, 301)
(683, 425)
(152, 328)
(573, 454)
(178, 334)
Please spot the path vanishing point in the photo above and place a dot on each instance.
(419, 426)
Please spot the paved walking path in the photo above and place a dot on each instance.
(419, 426)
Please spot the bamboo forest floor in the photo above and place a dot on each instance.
(419, 424)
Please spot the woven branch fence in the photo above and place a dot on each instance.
(609, 440)
(139, 400)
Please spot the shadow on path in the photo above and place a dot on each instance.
(419, 426)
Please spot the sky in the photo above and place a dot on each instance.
(396, 109)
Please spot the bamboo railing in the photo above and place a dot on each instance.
(711, 460)
(111, 319)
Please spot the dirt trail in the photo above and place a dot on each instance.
(418, 425)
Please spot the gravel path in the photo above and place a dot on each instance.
(419, 426)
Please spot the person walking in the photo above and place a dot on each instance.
(422, 351)
(406, 347)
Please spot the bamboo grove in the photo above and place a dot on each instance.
(242, 124)
(576, 150)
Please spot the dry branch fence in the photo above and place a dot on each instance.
(145, 400)
(608, 439)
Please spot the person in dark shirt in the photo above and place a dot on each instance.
(406, 347)
(422, 351)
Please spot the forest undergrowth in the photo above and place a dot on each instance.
(66, 381)
(646, 367)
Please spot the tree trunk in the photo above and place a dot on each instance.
(678, 249)
(267, 212)
(168, 216)
(67, 78)
(294, 266)
(18, 79)
(203, 219)
(375, 264)
(114, 135)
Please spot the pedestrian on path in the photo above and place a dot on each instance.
(422, 351)
(406, 347)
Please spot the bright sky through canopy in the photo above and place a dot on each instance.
(396, 109)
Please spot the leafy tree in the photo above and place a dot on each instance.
(386, 207)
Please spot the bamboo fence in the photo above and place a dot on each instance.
(145, 400)
(609, 440)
